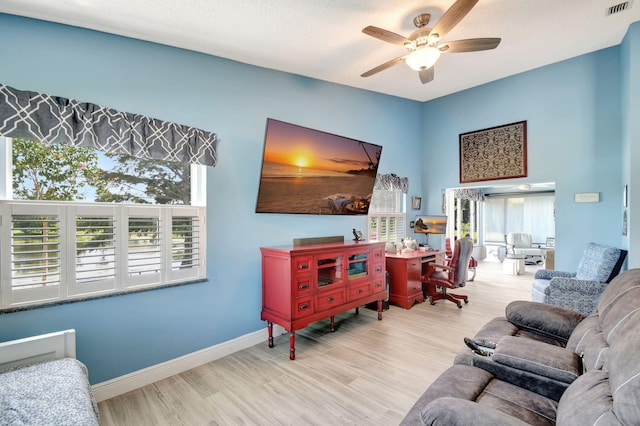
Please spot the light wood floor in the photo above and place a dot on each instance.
(367, 372)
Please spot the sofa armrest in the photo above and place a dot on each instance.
(546, 274)
(460, 412)
(542, 385)
(539, 358)
(547, 320)
(573, 285)
(571, 293)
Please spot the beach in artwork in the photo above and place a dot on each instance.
(312, 172)
(306, 191)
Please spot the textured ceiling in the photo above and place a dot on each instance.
(323, 39)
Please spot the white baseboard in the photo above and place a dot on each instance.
(128, 382)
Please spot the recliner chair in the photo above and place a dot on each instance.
(580, 290)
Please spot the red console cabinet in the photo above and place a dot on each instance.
(306, 283)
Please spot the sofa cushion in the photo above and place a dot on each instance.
(538, 358)
(580, 335)
(588, 401)
(451, 411)
(621, 287)
(595, 353)
(460, 381)
(624, 369)
(507, 404)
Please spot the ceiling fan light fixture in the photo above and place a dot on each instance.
(422, 58)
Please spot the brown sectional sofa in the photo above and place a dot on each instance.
(550, 366)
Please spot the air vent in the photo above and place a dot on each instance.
(618, 8)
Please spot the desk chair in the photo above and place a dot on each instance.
(448, 253)
(453, 275)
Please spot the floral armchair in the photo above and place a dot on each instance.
(579, 290)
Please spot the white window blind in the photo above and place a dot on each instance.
(185, 245)
(386, 227)
(63, 251)
(532, 214)
(90, 248)
(387, 220)
(144, 246)
(35, 251)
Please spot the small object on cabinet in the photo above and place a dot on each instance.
(357, 235)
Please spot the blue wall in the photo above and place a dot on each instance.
(573, 139)
(630, 49)
(122, 334)
(574, 124)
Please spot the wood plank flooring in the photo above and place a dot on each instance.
(367, 372)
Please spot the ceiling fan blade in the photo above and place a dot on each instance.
(387, 36)
(426, 75)
(384, 66)
(469, 45)
(452, 17)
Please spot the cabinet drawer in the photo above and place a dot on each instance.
(378, 255)
(303, 285)
(303, 307)
(359, 291)
(414, 265)
(379, 286)
(301, 265)
(329, 299)
(378, 269)
(415, 275)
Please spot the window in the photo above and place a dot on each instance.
(386, 218)
(69, 246)
(532, 214)
(463, 208)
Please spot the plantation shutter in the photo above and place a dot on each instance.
(33, 257)
(92, 238)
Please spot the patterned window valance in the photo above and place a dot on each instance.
(391, 182)
(52, 119)
(469, 194)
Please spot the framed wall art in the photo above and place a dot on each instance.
(416, 203)
(495, 153)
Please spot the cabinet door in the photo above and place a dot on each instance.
(330, 270)
(359, 264)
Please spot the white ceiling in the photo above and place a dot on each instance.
(323, 39)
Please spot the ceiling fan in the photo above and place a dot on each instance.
(424, 46)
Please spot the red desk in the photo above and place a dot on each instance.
(405, 273)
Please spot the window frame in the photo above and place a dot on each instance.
(69, 289)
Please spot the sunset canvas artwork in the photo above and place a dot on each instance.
(313, 172)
